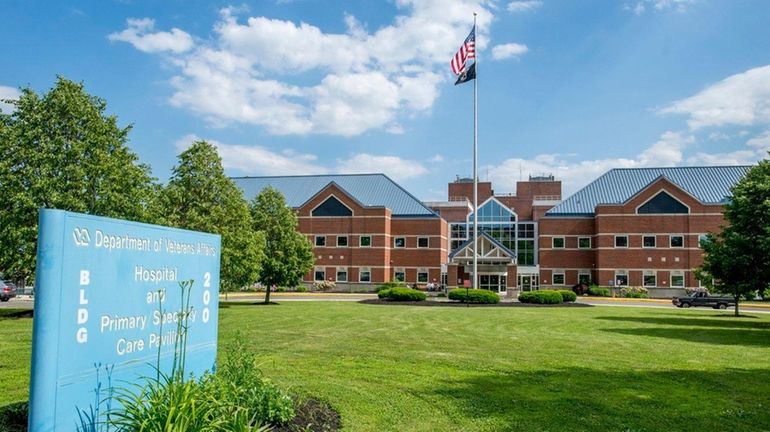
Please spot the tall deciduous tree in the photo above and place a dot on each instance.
(200, 197)
(737, 260)
(61, 150)
(289, 252)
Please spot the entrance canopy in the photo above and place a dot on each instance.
(490, 252)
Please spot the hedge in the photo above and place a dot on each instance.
(389, 285)
(567, 295)
(598, 292)
(474, 296)
(383, 293)
(402, 294)
(541, 297)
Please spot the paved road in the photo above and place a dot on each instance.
(27, 303)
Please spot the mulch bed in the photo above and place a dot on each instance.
(312, 415)
(458, 304)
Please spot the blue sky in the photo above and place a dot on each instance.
(304, 87)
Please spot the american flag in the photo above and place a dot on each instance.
(466, 51)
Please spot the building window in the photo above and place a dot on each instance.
(621, 278)
(422, 275)
(332, 207)
(422, 242)
(677, 241)
(621, 241)
(342, 241)
(650, 279)
(648, 241)
(365, 241)
(702, 239)
(342, 274)
(558, 278)
(677, 279)
(320, 274)
(584, 242)
(557, 242)
(320, 241)
(399, 242)
(584, 278)
(399, 275)
(364, 275)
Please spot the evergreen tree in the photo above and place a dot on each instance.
(737, 260)
(290, 254)
(60, 150)
(200, 197)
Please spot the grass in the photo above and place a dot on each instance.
(410, 368)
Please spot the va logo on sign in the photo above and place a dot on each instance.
(81, 236)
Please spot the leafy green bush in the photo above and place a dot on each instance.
(541, 297)
(567, 295)
(389, 285)
(403, 294)
(302, 288)
(766, 294)
(474, 296)
(598, 292)
(383, 293)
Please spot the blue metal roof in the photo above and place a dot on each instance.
(708, 184)
(371, 190)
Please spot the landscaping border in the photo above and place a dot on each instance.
(430, 303)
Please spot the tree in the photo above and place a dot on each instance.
(60, 150)
(200, 197)
(737, 260)
(290, 254)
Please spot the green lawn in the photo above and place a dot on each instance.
(498, 369)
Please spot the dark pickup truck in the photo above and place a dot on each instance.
(703, 299)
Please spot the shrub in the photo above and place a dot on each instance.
(474, 296)
(541, 297)
(404, 294)
(302, 288)
(323, 285)
(383, 293)
(389, 285)
(633, 292)
(280, 289)
(598, 292)
(766, 294)
(567, 295)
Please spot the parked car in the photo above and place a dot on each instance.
(7, 291)
(703, 298)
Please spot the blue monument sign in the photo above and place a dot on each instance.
(108, 304)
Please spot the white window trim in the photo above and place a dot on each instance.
(399, 270)
(671, 281)
(427, 239)
(337, 273)
(316, 241)
(315, 273)
(563, 240)
(364, 246)
(363, 270)
(671, 237)
(584, 273)
(584, 238)
(347, 240)
(616, 242)
(563, 275)
(622, 273)
(647, 273)
(655, 239)
(399, 247)
(425, 272)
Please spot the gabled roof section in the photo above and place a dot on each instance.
(371, 190)
(511, 254)
(710, 185)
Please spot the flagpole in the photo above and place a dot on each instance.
(475, 169)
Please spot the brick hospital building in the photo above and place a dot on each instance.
(629, 227)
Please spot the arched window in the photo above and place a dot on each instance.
(663, 203)
(332, 207)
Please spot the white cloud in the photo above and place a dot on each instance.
(394, 167)
(524, 5)
(660, 5)
(437, 158)
(667, 151)
(257, 160)
(761, 142)
(8, 93)
(504, 51)
(352, 82)
(741, 99)
(139, 33)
